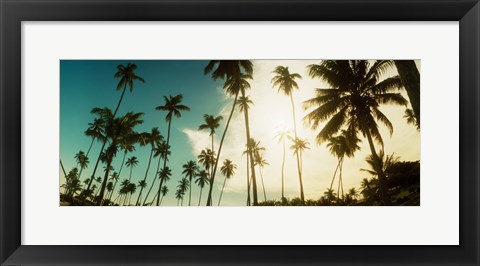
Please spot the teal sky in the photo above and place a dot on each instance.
(85, 84)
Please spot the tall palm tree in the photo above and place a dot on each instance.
(131, 190)
(344, 144)
(173, 107)
(228, 170)
(153, 138)
(142, 184)
(227, 69)
(123, 191)
(162, 151)
(282, 135)
(207, 159)
(82, 161)
(179, 196)
(211, 123)
(243, 104)
(131, 163)
(261, 163)
(190, 169)
(164, 175)
(127, 77)
(117, 130)
(202, 180)
(286, 83)
(353, 100)
(115, 178)
(299, 146)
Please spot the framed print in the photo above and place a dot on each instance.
(139, 132)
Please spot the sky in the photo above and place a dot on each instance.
(85, 84)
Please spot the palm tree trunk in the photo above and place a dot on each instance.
(283, 168)
(209, 199)
(153, 182)
(165, 161)
(190, 191)
(145, 178)
(120, 101)
(263, 184)
(249, 150)
(95, 169)
(411, 81)
(161, 199)
(121, 166)
(200, 198)
(105, 178)
(113, 189)
(334, 174)
(248, 181)
(221, 193)
(379, 170)
(302, 197)
(89, 148)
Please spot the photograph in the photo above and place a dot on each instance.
(276, 132)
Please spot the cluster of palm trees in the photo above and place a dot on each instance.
(347, 110)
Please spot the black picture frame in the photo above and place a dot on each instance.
(13, 12)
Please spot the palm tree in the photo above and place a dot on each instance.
(115, 178)
(128, 145)
(244, 103)
(285, 81)
(201, 181)
(163, 192)
(142, 184)
(131, 163)
(344, 144)
(82, 161)
(183, 186)
(117, 130)
(282, 135)
(131, 189)
(330, 195)
(226, 69)
(190, 169)
(72, 184)
(298, 147)
(95, 131)
(153, 138)
(410, 77)
(207, 159)
(179, 196)
(353, 193)
(165, 175)
(211, 123)
(261, 163)
(173, 107)
(228, 170)
(162, 151)
(123, 191)
(127, 77)
(353, 100)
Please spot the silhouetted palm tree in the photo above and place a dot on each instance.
(228, 170)
(410, 77)
(201, 181)
(131, 190)
(354, 99)
(127, 77)
(344, 144)
(95, 131)
(211, 123)
(282, 135)
(153, 138)
(207, 159)
(115, 178)
(243, 104)
(179, 196)
(163, 193)
(173, 107)
(285, 81)
(190, 169)
(164, 175)
(298, 147)
(227, 69)
(261, 163)
(82, 161)
(162, 151)
(183, 186)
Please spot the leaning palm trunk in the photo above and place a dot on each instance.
(283, 168)
(411, 81)
(115, 184)
(164, 161)
(249, 150)
(333, 178)
(381, 176)
(153, 182)
(302, 197)
(145, 178)
(200, 198)
(263, 184)
(212, 179)
(189, 191)
(105, 178)
(95, 169)
(249, 202)
(221, 193)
